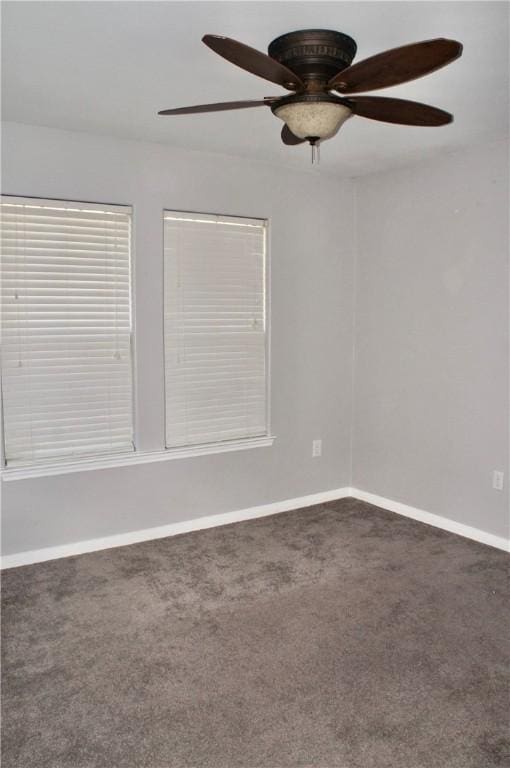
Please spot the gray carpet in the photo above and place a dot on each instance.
(339, 636)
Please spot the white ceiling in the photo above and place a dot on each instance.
(108, 67)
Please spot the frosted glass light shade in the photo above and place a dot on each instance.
(320, 120)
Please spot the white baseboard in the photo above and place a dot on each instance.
(172, 529)
(436, 520)
(211, 521)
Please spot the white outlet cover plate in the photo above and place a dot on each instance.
(497, 480)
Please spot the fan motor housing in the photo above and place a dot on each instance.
(314, 54)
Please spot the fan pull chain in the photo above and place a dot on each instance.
(316, 153)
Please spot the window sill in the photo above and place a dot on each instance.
(128, 459)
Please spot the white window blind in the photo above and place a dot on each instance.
(215, 328)
(66, 329)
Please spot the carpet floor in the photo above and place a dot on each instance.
(338, 636)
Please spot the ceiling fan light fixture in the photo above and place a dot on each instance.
(318, 119)
(317, 65)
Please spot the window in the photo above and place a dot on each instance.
(215, 328)
(66, 330)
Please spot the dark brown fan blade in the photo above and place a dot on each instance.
(398, 111)
(220, 107)
(396, 66)
(253, 61)
(289, 138)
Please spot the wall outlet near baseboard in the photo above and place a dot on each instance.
(316, 448)
(497, 480)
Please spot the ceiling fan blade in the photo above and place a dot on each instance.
(398, 65)
(398, 111)
(289, 138)
(253, 61)
(220, 107)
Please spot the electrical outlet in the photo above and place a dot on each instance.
(316, 448)
(497, 480)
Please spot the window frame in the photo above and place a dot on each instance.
(236, 443)
(135, 457)
(57, 465)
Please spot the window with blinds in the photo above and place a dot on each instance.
(66, 330)
(215, 328)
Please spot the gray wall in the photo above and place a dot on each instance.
(431, 399)
(429, 414)
(312, 255)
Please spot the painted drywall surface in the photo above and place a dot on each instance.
(311, 251)
(431, 388)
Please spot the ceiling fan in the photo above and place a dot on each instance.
(315, 65)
